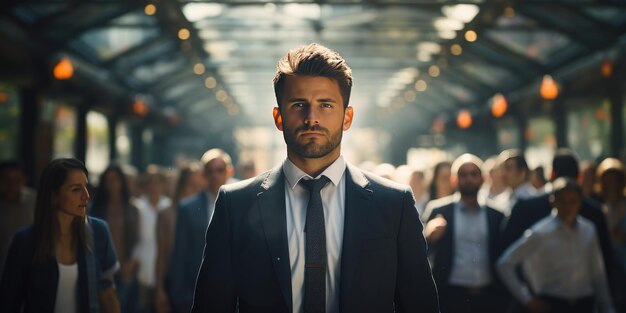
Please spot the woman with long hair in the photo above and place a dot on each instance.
(112, 203)
(190, 182)
(65, 261)
(441, 183)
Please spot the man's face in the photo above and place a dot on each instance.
(513, 177)
(470, 179)
(11, 183)
(312, 116)
(567, 203)
(216, 172)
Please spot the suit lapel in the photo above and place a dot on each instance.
(358, 209)
(273, 214)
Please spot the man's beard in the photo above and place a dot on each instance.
(311, 149)
(469, 191)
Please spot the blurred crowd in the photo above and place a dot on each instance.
(157, 219)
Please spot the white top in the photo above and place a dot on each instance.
(470, 265)
(333, 201)
(558, 260)
(66, 290)
(147, 237)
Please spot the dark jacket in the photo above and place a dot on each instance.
(442, 251)
(191, 225)
(33, 285)
(246, 259)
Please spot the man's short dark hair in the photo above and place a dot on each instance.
(517, 156)
(565, 164)
(563, 184)
(313, 60)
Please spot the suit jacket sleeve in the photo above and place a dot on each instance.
(215, 290)
(415, 289)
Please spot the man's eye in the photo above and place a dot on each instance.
(297, 105)
(327, 105)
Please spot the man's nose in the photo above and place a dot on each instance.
(311, 116)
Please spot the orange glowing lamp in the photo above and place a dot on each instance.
(549, 89)
(464, 119)
(64, 69)
(607, 68)
(499, 105)
(140, 107)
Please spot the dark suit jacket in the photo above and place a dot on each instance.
(442, 251)
(191, 225)
(246, 259)
(527, 212)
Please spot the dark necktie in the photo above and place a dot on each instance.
(315, 251)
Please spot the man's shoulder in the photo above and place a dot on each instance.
(248, 185)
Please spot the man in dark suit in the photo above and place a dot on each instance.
(462, 237)
(191, 223)
(315, 234)
(527, 212)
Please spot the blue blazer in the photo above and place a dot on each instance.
(32, 286)
(246, 264)
(191, 225)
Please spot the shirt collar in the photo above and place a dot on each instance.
(334, 172)
(464, 208)
(561, 223)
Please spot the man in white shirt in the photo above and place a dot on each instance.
(462, 239)
(561, 260)
(315, 234)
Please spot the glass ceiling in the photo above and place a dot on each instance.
(226, 60)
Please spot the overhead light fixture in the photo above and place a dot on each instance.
(434, 71)
(499, 105)
(421, 85)
(607, 68)
(456, 49)
(199, 69)
(471, 36)
(464, 119)
(150, 9)
(64, 69)
(183, 34)
(210, 82)
(549, 89)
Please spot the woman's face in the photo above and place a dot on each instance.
(72, 197)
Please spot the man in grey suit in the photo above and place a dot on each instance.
(315, 234)
(191, 223)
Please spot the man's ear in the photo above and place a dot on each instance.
(278, 118)
(347, 118)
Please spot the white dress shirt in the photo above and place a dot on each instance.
(147, 237)
(333, 201)
(470, 265)
(559, 261)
